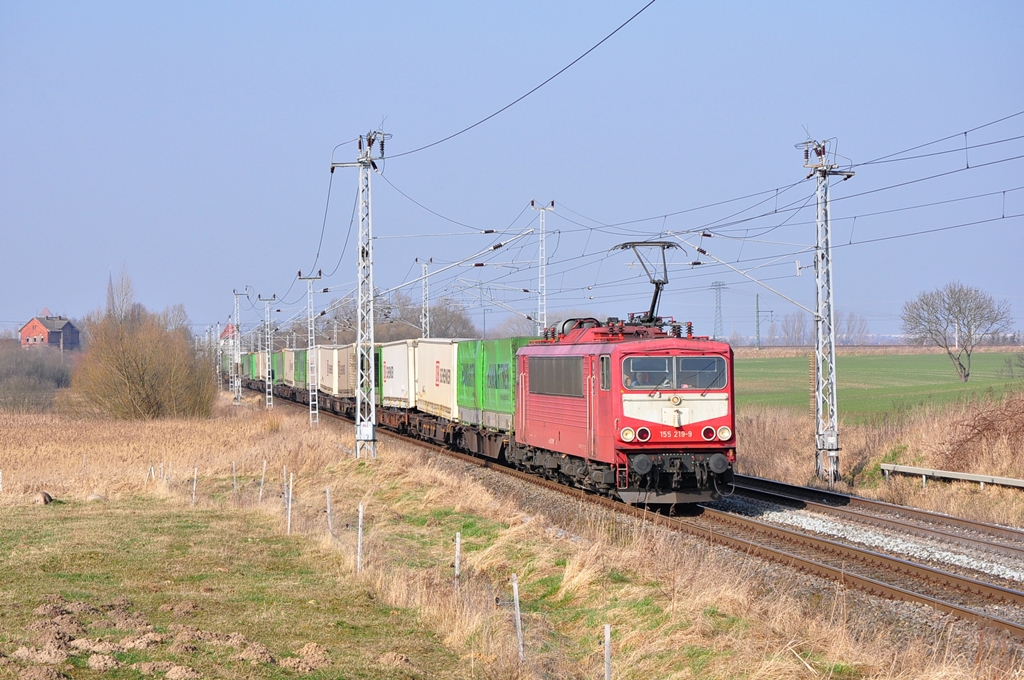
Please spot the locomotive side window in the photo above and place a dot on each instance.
(674, 373)
(557, 376)
(606, 372)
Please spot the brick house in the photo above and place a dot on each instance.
(50, 331)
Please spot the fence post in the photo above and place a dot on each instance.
(195, 475)
(161, 471)
(607, 651)
(262, 479)
(458, 555)
(359, 541)
(330, 524)
(291, 483)
(519, 622)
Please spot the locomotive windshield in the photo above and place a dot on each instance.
(674, 373)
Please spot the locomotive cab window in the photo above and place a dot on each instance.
(606, 372)
(674, 373)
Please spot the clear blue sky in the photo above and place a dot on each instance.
(190, 144)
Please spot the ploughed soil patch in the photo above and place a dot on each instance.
(143, 588)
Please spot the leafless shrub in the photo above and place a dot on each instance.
(30, 379)
(999, 424)
(139, 364)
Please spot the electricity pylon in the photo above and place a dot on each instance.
(826, 415)
(268, 338)
(542, 276)
(312, 380)
(718, 286)
(366, 411)
(236, 359)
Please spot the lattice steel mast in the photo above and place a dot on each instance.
(542, 275)
(312, 379)
(826, 414)
(425, 302)
(718, 286)
(366, 412)
(268, 341)
(236, 359)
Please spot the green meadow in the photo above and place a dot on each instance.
(872, 386)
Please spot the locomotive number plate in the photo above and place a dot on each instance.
(676, 434)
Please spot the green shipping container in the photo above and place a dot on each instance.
(470, 382)
(378, 369)
(498, 381)
(277, 366)
(301, 366)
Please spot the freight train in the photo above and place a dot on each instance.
(633, 410)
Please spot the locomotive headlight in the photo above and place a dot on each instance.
(708, 433)
(627, 434)
(724, 433)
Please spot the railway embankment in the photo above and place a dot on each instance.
(679, 606)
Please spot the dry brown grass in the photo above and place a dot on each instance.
(982, 437)
(679, 607)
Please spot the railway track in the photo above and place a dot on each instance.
(876, 573)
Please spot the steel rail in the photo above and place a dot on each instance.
(862, 517)
(749, 547)
(837, 499)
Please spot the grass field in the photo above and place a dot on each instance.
(148, 565)
(870, 387)
(144, 578)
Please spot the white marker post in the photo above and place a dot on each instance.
(458, 555)
(330, 524)
(519, 622)
(607, 651)
(262, 479)
(359, 541)
(195, 476)
(291, 484)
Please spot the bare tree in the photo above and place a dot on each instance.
(449, 319)
(851, 329)
(956, 318)
(513, 326)
(138, 364)
(794, 329)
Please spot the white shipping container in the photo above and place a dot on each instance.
(327, 369)
(261, 365)
(347, 374)
(398, 374)
(436, 377)
(289, 367)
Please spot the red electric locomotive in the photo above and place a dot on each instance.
(628, 410)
